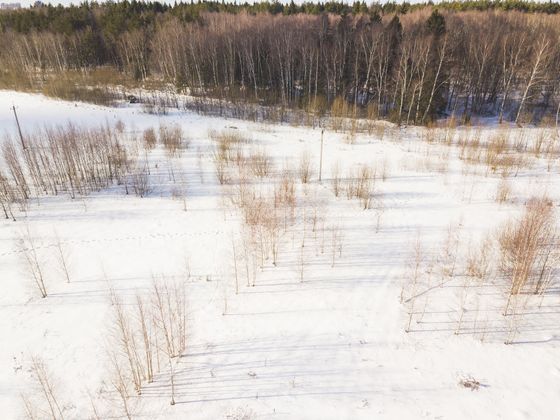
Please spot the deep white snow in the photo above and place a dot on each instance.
(331, 347)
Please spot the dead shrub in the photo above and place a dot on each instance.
(335, 179)
(228, 151)
(360, 184)
(305, 167)
(285, 192)
(260, 164)
(479, 261)
(504, 191)
(33, 261)
(527, 248)
(46, 384)
(140, 181)
(470, 383)
(221, 168)
(120, 127)
(7, 197)
(150, 139)
(172, 138)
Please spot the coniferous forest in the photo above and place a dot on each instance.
(407, 63)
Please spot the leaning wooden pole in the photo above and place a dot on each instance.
(19, 128)
(321, 157)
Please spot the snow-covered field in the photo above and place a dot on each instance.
(309, 339)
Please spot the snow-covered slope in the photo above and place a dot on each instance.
(309, 340)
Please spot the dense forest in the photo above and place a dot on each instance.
(408, 63)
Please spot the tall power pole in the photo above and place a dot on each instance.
(321, 156)
(19, 128)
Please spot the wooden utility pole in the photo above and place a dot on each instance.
(19, 128)
(321, 156)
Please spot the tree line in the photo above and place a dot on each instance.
(410, 64)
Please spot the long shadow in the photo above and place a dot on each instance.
(270, 368)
